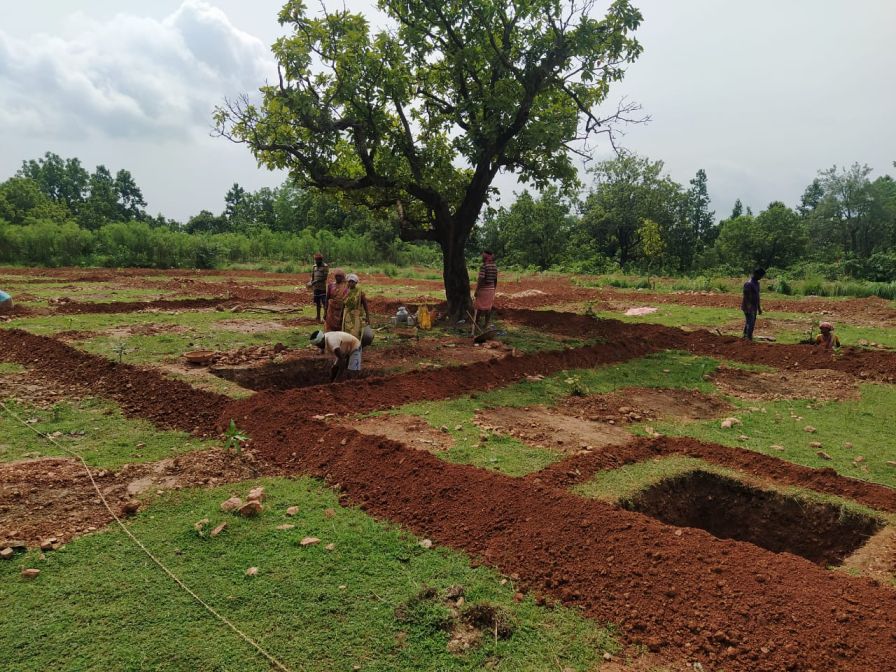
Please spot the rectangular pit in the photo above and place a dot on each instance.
(285, 375)
(726, 508)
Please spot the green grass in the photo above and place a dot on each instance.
(864, 423)
(510, 456)
(109, 441)
(7, 368)
(673, 315)
(100, 604)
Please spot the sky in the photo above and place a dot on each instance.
(760, 94)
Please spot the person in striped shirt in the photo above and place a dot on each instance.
(486, 288)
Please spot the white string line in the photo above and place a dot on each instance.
(158, 562)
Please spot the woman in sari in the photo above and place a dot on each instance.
(336, 294)
(355, 302)
(486, 287)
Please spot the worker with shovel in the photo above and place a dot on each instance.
(344, 347)
(484, 296)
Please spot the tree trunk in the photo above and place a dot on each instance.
(454, 272)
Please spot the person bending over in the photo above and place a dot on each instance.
(345, 348)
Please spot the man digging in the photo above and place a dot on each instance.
(344, 347)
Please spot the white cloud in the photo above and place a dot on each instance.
(129, 77)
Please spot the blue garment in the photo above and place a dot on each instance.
(4, 296)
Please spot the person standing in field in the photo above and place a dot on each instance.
(486, 288)
(319, 273)
(336, 293)
(355, 302)
(750, 303)
(344, 347)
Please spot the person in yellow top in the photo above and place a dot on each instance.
(827, 339)
(355, 302)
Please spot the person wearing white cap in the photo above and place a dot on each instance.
(355, 302)
(344, 347)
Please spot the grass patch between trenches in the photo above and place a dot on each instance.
(109, 440)
(100, 604)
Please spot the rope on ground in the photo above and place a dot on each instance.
(276, 663)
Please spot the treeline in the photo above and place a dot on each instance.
(635, 218)
(54, 213)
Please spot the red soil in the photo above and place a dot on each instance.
(726, 604)
(140, 392)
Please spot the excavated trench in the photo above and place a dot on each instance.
(728, 509)
(288, 375)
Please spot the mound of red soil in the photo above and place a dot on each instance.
(140, 392)
(726, 604)
(580, 468)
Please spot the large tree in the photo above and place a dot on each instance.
(420, 117)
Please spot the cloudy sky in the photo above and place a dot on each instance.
(760, 94)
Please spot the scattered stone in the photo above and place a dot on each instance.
(743, 437)
(728, 423)
(252, 571)
(30, 573)
(130, 507)
(847, 445)
(219, 529)
(608, 656)
(858, 458)
(309, 541)
(823, 455)
(329, 513)
(810, 429)
(6, 553)
(815, 444)
(892, 463)
(292, 510)
(776, 447)
(256, 494)
(231, 504)
(250, 509)
(199, 525)
(426, 543)
(443, 429)
(330, 547)
(518, 597)
(285, 526)
(50, 544)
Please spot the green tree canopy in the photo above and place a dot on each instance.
(420, 117)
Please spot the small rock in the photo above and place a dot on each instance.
(443, 429)
(815, 444)
(743, 437)
(518, 597)
(231, 504)
(6, 553)
(50, 544)
(810, 429)
(728, 423)
(285, 526)
(252, 571)
(30, 573)
(330, 547)
(219, 529)
(823, 455)
(777, 447)
(858, 458)
(199, 525)
(847, 445)
(457, 428)
(130, 507)
(250, 509)
(426, 543)
(256, 494)
(608, 656)
(309, 541)
(329, 513)
(292, 510)
(140, 445)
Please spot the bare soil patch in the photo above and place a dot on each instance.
(53, 497)
(808, 384)
(728, 509)
(27, 387)
(408, 429)
(250, 326)
(545, 428)
(645, 404)
(877, 558)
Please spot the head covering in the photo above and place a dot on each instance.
(338, 272)
(352, 277)
(488, 256)
(317, 337)
(318, 255)
(826, 326)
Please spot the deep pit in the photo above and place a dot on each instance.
(822, 533)
(285, 375)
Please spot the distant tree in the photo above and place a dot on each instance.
(21, 199)
(65, 181)
(777, 237)
(652, 243)
(129, 197)
(737, 210)
(533, 232)
(207, 222)
(233, 199)
(419, 118)
(697, 212)
(811, 198)
(628, 190)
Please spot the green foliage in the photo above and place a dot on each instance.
(776, 237)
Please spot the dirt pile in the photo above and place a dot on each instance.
(811, 384)
(645, 404)
(546, 428)
(680, 592)
(140, 392)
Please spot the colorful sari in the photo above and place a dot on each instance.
(352, 313)
(336, 295)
